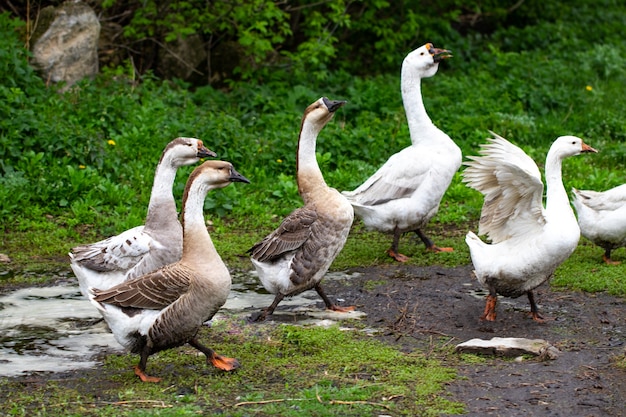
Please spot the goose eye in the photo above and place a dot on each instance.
(422, 53)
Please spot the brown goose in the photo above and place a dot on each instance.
(145, 248)
(165, 308)
(295, 257)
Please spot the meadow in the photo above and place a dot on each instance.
(77, 167)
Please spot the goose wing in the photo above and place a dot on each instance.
(154, 291)
(398, 178)
(290, 235)
(511, 183)
(609, 200)
(117, 253)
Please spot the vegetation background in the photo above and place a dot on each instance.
(77, 167)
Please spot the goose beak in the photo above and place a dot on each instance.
(439, 54)
(237, 177)
(333, 105)
(204, 152)
(587, 148)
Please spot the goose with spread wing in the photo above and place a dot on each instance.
(602, 218)
(295, 257)
(148, 247)
(165, 308)
(405, 193)
(528, 241)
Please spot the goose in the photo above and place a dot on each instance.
(404, 194)
(148, 247)
(165, 308)
(528, 241)
(295, 257)
(602, 218)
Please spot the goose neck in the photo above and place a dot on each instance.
(197, 243)
(309, 176)
(556, 195)
(162, 206)
(416, 115)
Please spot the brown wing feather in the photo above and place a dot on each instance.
(154, 291)
(290, 235)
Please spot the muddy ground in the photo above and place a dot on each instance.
(431, 309)
(427, 307)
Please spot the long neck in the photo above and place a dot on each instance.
(309, 175)
(556, 196)
(162, 207)
(416, 115)
(197, 244)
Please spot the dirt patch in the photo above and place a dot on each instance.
(426, 308)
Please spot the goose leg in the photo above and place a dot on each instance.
(534, 311)
(262, 315)
(220, 362)
(393, 251)
(329, 304)
(140, 369)
(490, 306)
(607, 258)
(429, 243)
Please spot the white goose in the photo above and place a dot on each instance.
(404, 194)
(145, 248)
(602, 218)
(165, 308)
(528, 241)
(295, 257)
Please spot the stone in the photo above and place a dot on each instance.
(509, 346)
(65, 43)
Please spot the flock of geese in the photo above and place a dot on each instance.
(156, 284)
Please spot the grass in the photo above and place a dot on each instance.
(288, 371)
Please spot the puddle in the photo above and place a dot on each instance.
(54, 329)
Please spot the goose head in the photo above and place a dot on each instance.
(216, 174)
(321, 111)
(186, 151)
(565, 146)
(425, 60)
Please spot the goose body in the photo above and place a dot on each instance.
(405, 193)
(295, 257)
(602, 218)
(145, 248)
(165, 308)
(528, 241)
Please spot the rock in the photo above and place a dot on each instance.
(4, 259)
(65, 43)
(509, 346)
(181, 57)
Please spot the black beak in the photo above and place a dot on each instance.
(237, 177)
(204, 152)
(333, 105)
(439, 54)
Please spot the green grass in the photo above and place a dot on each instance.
(287, 371)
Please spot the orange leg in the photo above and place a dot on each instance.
(490, 308)
(534, 311)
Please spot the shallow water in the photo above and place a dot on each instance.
(55, 329)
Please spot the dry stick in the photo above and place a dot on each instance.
(281, 400)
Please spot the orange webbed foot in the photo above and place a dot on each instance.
(397, 256)
(341, 309)
(609, 261)
(144, 377)
(437, 249)
(224, 363)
